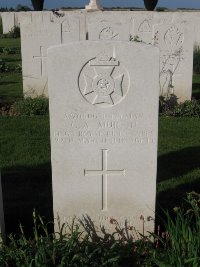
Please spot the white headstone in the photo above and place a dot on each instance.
(173, 33)
(8, 21)
(93, 5)
(24, 17)
(108, 26)
(175, 40)
(31, 16)
(43, 32)
(104, 128)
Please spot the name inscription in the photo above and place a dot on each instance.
(104, 128)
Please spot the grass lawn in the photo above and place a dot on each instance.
(26, 167)
(10, 82)
(10, 42)
(196, 86)
(10, 87)
(178, 159)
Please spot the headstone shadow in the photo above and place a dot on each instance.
(26, 189)
(196, 90)
(178, 163)
(169, 199)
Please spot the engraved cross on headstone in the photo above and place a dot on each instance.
(41, 57)
(104, 172)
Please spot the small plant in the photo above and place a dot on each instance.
(196, 57)
(71, 248)
(32, 106)
(168, 107)
(180, 244)
(14, 33)
(3, 67)
(9, 68)
(9, 51)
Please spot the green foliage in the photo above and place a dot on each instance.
(9, 68)
(10, 50)
(32, 106)
(10, 71)
(70, 247)
(185, 109)
(161, 9)
(14, 33)
(80, 245)
(23, 8)
(196, 58)
(180, 245)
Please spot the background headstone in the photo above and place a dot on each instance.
(175, 38)
(35, 39)
(44, 31)
(108, 25)
(173, 33)
(104, 123)
(8, 21)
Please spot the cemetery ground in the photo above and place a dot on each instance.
(25, 152)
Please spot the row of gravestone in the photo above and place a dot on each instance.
(175, 33)
(104, 133)
(103, 101)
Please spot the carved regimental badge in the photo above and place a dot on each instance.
(103, 81)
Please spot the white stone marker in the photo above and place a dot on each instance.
(93, 5)
(108, 25)
(175, 38)
(104, 128)
(8, 21)
(36, 37)
(173, 33)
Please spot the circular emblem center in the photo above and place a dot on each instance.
(103, 85)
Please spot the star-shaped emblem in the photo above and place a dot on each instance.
(105, 87)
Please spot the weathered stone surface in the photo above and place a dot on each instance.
(173, 33)
(8, 21)
(104, 122)
(108, 25)
(35, 39)
(31, 16)
(44, 31)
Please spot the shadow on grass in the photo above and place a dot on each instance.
(196, 90)
(7, 82)
(178, 163)
(26, 189)
(11, 60)
(167, 200)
